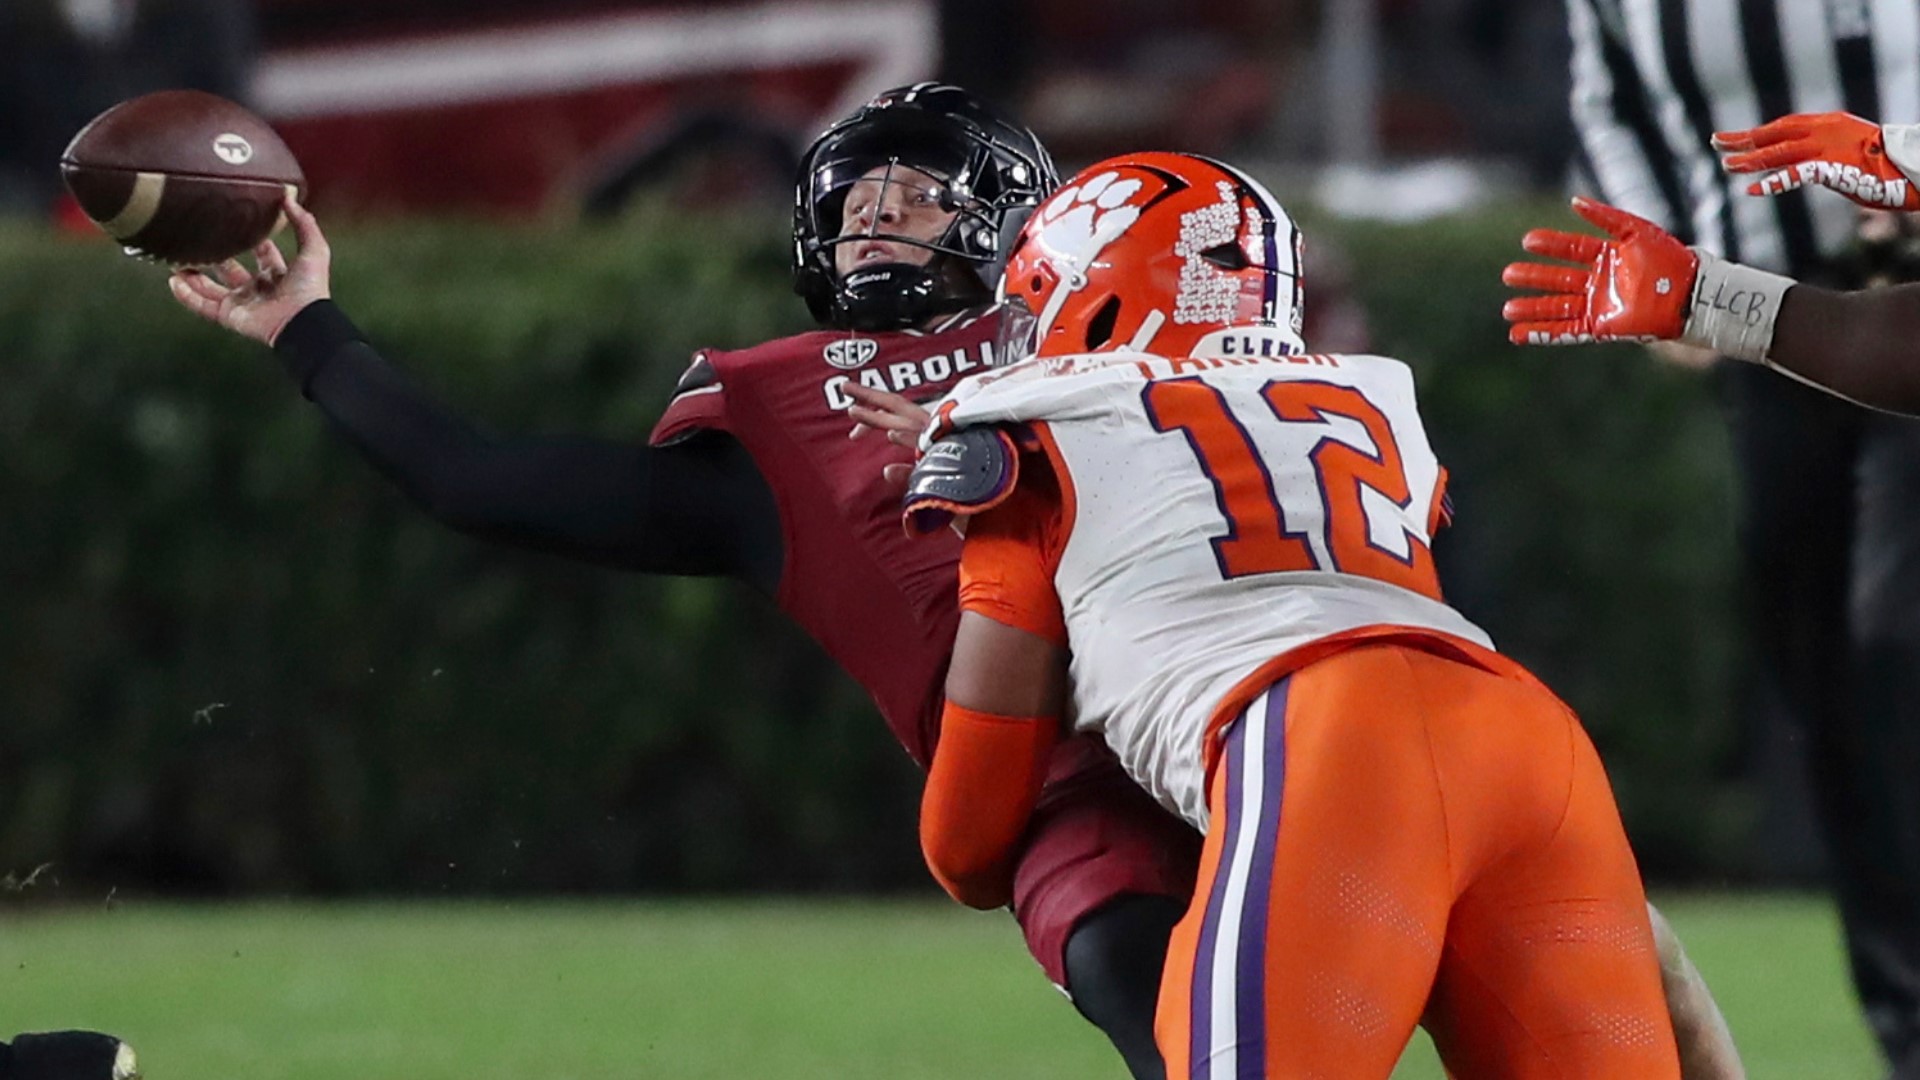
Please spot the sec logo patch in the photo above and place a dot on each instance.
(849, 353)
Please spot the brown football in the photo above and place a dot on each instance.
(181, 176)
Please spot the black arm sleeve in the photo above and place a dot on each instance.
(699, 507)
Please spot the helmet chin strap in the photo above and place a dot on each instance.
(1056, 300)
(898, 295)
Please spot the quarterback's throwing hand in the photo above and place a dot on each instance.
(259, 304)
(1854, 157)
(1635, 284)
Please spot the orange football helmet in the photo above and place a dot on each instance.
(1151, 252)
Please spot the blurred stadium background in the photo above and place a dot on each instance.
(294, 782)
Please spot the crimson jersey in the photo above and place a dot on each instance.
(883, 605)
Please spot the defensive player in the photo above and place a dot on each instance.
(898, 224)
(1223, 541)
(1639, 283)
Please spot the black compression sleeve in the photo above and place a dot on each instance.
(699, 507)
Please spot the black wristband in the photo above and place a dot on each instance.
(311, 338)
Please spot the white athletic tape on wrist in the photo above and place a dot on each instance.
(1733, 308)
(1903, 147)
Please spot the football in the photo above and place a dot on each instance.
(181, 176)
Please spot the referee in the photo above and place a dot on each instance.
(1830, 493)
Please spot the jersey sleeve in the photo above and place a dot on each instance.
(981, 790)
(1012, 552)
(1440, 512)
(699, 404)
(699, 508)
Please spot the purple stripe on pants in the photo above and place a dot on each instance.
(1250, 967)
(1200, 1028)
(1248, 934)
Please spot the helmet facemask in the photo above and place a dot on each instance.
(923, 143)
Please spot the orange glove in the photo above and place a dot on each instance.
(1636, 286)
(1837, 150)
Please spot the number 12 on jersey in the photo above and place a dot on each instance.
(1258, 540)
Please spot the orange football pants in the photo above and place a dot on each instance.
(1394, 832)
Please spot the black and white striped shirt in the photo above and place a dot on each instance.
(1653, 79)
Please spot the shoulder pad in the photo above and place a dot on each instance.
(698, 376)
(965, 473)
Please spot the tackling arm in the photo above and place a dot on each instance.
(1706, 1044)
(1000, 723)
(1006, 690)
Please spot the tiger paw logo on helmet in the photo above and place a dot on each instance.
(1080, 221)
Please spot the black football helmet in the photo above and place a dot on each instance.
(992, 171)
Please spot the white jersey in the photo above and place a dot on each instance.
(1223, 511)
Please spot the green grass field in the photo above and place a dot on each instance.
(725, 989)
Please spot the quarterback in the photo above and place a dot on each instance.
(899, 218)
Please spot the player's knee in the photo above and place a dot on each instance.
(1113, 961)
(1118, 951)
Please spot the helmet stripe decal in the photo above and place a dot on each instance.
(1281, 257)
(1271, 288)
(1275, 213)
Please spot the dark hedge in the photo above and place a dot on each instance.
(232, 659)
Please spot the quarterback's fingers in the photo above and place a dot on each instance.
(896, 473)
(193, 291)
(1768, 158)
(1777, 131)
(1531, 275)
(198, 284)
(1614, 220)
(233, 273)
(1554, 244)
(1523, 309)
(266, 255)
(1547, 333)
(313, 243)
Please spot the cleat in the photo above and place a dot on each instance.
(67, 1055)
